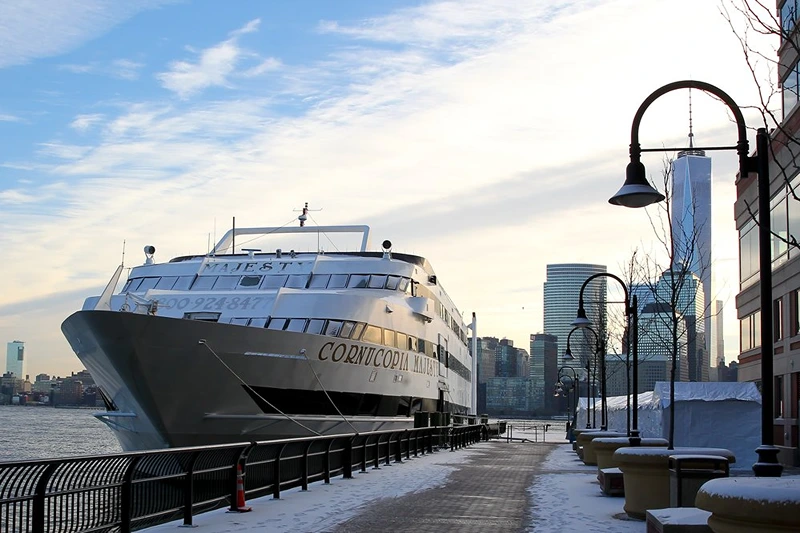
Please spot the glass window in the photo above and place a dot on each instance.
(347, 329)
(333, 327)
(167, 282)
(391, 282)
(239, 321)
(788, 17)
(226, 282)
(249, 282)
(258, 322)
(338, 281)
(777, 319)
(204, 283)
(358, 281)
(147, 284)
(315, 326)
(276, 323)
(297, 281)
(421, 345)
(296, 324)
(388, 337)
(748, 253)
(274, 282)
(402, 341)
(183, 283)
(402, 285)
(356, 334)
(372, 334)
(794, 313)
(377, 281)
(319, 281)
(133, 284)
(790, 91)
(412, 343)
(779, 226)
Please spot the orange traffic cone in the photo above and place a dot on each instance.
(241, 506)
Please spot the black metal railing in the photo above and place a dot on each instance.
(130, 491)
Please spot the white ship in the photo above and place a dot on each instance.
(247, 345)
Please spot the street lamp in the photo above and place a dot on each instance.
(589, 375)
(637, 192)
(568, 384)
(633, 326)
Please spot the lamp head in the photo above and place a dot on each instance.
(581, 321)
(636, 192)
(566, 382)
(568, 354)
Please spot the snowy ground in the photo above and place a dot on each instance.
(566, 497)
(324, 506)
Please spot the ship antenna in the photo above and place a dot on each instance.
(304, 215)
(123, 252)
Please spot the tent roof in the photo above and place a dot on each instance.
(712, 391)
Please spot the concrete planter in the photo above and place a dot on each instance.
(646, 474)
(577, 432)
(739, 505)
(585, 439)
(605, 447)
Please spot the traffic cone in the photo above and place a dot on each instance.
(241, 506)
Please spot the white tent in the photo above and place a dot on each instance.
(712, 414)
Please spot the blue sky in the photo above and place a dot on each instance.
(486, 135)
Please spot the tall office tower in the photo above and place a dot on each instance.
(486, 367)
(506, 358)
(655, 352)
(15, 358)
(543, 371)
(718, 353)
(691, 226)
(561, 290)
(690, 305)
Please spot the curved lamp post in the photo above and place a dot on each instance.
(633, 325)
(589, 380)
(568, 384)
(637, 192)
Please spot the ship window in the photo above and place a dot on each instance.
(372, 334)
(239, 321)
(377, 282)
(403, 284)
(147, 284)
(249, 282)
(276, 323)
(388, 337)
(297, 281)
(391, 282)
(132, 285)
(183, 283)
(357, 330)
(338, 281)
(333, 327)
(226, 282)
(319, 281)
(412, 343)
(204, 283)
(347, 329)
(274, 282)
(421, 345)
(205, 317)
(357, 281)
(402, 341)
(166, 282)
(258, 322)
(315, 326)
(296, 324)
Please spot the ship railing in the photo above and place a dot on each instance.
(135, 490)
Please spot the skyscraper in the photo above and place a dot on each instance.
(561, 291)
(543, 371)
(691, 230)
(15, 358)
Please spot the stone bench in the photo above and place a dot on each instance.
(679, 520)
(585, 439)
(763, 504)
(604, 448)
(612, 482)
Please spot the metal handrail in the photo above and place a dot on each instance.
(135, 490)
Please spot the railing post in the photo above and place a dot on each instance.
(328, 462)
(364, 455)
(38, 499)
(276, 488)
(347, 466)
(389, 450)
(377, 454)
(188, 491)
(305, 465)
(126, 497)
(398, 451)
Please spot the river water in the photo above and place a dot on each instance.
(35, 432)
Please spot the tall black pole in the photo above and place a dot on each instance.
(634, 435)
(767, 465)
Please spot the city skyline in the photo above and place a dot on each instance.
(443, 125)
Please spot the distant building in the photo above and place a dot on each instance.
(561, 292)
(691, 306)
(543, 372)
(508, 396)
(486, 367)
(655, 350)
(15, 358)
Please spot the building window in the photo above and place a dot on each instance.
(778, 397)
(777, 320)
(750, 331)
(780, 228)
(794, 313)
(748, 254)
(788, 17)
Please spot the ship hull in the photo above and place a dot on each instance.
(175, 382)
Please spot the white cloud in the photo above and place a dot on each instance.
(268, 65)
(124, 69)
(212, 69)
(82, 123)
(5, 117)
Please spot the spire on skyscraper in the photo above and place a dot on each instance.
(691, 150)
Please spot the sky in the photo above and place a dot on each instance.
(484, 135)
